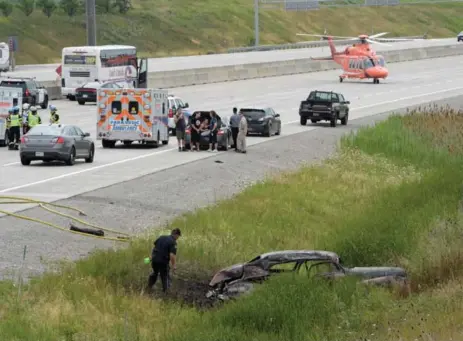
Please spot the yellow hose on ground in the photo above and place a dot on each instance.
(125, 237)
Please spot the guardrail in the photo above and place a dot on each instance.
(305, 45)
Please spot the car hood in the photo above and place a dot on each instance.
(377, 271)
(227, 274)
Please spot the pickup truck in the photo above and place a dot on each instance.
(324, 106)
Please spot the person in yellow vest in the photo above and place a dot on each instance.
(15, 128)
(33, 118)
(25, 114)
(54, 117)
(7, 125)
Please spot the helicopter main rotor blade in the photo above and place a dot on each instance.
(376, 42)
(324, 36)
(378, 35)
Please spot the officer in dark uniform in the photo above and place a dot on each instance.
(164, 251)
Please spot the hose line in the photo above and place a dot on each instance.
(120, 236)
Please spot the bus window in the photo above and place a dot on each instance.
(133, 108)
(116, 107)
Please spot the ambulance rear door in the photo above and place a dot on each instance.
(160, 114)
(9, 97)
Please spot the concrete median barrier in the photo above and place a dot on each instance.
(197, 76)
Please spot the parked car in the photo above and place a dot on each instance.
(460, 36)
(264, 121)
(175, 103)
(34, 93)
(224, 134)
(239, 279)
(87, 92)
(56, 142)
(324, 106)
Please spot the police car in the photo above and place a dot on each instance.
(175, 103)
(33, 92)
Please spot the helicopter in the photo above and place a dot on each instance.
(360, 60)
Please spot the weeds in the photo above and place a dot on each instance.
(390, 197)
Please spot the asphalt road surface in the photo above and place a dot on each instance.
(47, 72)
(145, 188)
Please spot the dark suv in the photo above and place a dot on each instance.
(33, 92)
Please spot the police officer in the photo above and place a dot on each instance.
(7, 125)
(33, 118)
(25, 114)
(15, 127)
(54, 117)
(235, 124)
(164, 251)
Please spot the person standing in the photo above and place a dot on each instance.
(180, 126)
(15, 124)
(242, 132)
(213, 132)
(196, 132)
(235, 124)
(164, 251)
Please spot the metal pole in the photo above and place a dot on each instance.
(256, 22)
(91, 22)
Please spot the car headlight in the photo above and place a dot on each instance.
(261, 119)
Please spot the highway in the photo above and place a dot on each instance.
(410, 84)
(47, 72)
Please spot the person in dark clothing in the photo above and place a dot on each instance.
(235, 123)
(196, 131)
(164, 251)
(180, 126)
(213, 128)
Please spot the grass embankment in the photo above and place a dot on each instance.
(180, 27)
(391, 197)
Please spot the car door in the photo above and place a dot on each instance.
(335, 103)
(71, 132)
(342, 104)
(270, 117)
(84, 141)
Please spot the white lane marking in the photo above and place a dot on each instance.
(168, 150)
(10, 164)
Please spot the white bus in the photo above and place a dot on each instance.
(4, 57)
(118, 63)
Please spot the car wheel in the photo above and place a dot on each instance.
(25, 161)
(81, 102)
(44, 105)
(225, 146)
(303, 121)
(334, 120)
(345, 119)
(268, 133)
(279, 131)
(91, 154)
(72, 157)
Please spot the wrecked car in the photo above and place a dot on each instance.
(240, 279)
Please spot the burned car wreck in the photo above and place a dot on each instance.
(240, 279)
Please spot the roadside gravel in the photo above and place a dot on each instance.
(155, 199)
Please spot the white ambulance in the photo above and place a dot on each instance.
(9, 98)
(130, 115)
(4, 57)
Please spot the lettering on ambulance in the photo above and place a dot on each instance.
(124, 124)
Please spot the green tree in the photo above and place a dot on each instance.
(26, 6)
(71, 7)
(104, 6)
(123, 6)
(6, 8)
(47, 6)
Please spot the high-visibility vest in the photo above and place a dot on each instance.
(54, 118)
(33, 120)
(15, 120)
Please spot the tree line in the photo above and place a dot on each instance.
(69, 7)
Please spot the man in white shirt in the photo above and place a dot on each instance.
(242, 132)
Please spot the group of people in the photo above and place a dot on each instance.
(238, 123)
(27, 118)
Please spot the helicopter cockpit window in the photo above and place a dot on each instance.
(368, 63)
(380, 62)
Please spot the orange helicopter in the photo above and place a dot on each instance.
(358, 61)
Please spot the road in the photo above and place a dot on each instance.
(154, 198)
(47, 72)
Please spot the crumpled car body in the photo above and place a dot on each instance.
(240, 279)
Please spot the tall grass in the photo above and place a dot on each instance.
(390, 197)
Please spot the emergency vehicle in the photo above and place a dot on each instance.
(9, 98)
(4, 57)
(130, 115)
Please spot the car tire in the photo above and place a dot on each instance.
(44, 105)
(303, 121)
(91, 155)
(334, 121)
(279, 131)
(72, 157)
(345, 119)
(25, 161)
(268, 133)
(81, 102)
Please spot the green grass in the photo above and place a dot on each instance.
(179, 27)
(391, 196)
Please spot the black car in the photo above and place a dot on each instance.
(460, 36)
(224, 134)
(324, 106)
(87, 92)
(264, 121)
(33, 92)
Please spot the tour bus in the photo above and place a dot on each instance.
(4, 57)
(117, 63)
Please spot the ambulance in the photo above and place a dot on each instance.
(9, 98)
(132, 115)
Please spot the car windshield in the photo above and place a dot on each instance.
(253, 113)
(320, 96)
(45, 130)
(14, 84)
